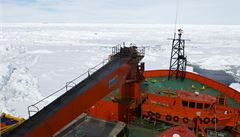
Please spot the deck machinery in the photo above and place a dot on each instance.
(109, 102)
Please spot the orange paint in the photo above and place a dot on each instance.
(171, 110)
(90, 101)
(206, 81)
(79, 105)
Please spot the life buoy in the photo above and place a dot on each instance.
(185, 120)
(214, 120)
(168, 117)
(157, 115)
(206, 120)
(175, 118)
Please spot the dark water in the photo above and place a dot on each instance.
(218, 75)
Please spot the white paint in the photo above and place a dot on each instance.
(176, 135)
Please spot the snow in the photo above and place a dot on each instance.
(18, 89)
(235, 86)
(40, 52)
(219, 62)
(36, 59)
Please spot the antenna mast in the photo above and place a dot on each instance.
(178, 61)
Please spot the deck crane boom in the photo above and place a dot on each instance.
(53, 117)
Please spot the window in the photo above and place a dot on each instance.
(184, 103)
(192, 104)
(206, 106)
(199, 105)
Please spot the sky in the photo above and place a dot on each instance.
(216, 12)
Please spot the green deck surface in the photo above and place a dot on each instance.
(156, 84)
(135, 131)
(143, 128)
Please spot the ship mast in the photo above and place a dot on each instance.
(178, 61)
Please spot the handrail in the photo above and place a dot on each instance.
(34, 108)
(89, 72)
(30, 111)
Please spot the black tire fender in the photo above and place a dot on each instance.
(168, 117)
(206, 120)
(150, 113)
(200, 120)
(157, 115)
(175, 118)
(185, 120)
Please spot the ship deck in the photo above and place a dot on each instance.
(87, 126)
(161, 83)
(136, 131)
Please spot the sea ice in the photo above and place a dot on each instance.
(39, 58)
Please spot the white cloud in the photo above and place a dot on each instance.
(123, 11)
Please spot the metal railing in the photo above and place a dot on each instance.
(140, 51)
(34, 108)
(116, 49)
